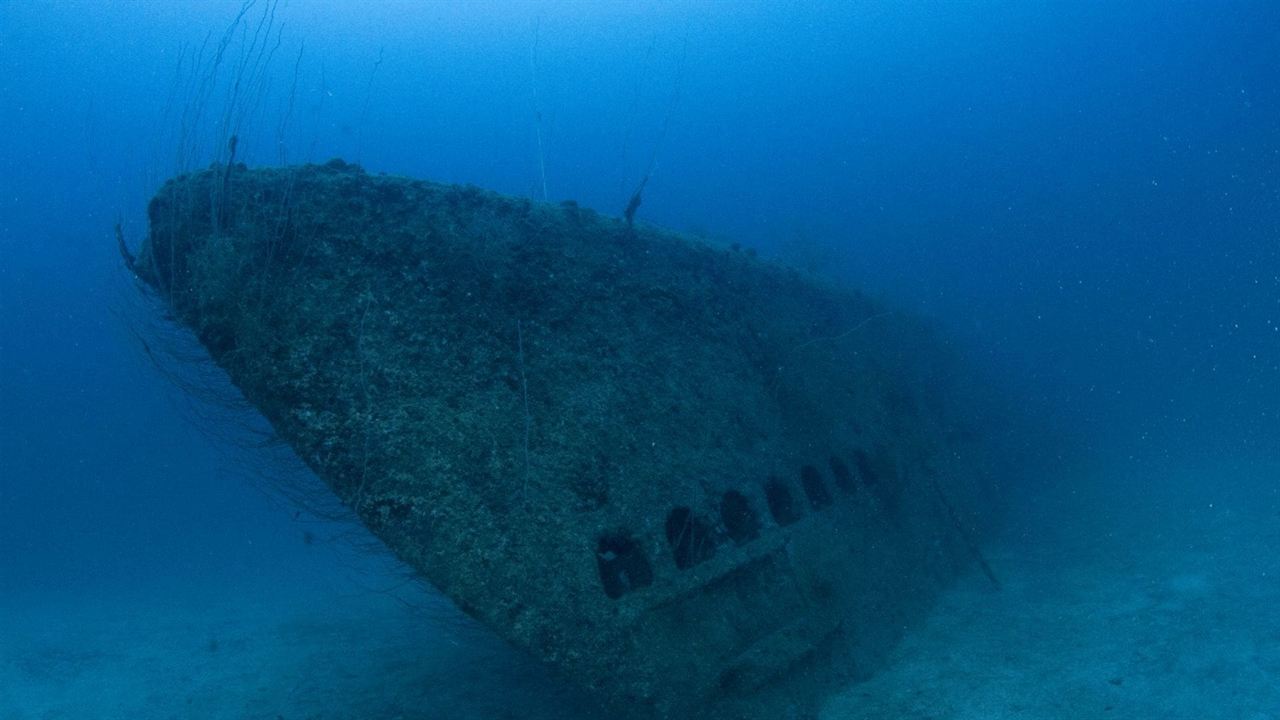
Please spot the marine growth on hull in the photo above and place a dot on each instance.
(697, 483)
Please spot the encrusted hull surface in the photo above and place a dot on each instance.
(696, 483)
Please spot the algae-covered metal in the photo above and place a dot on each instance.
(696, 483)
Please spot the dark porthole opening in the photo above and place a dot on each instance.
(622, 564)
(781, 506)
(814, 488)
(739, 520)
(843, 476)
(689, 537)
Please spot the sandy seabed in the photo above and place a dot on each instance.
(1156, 605)
(332, 642)
(1156, 598)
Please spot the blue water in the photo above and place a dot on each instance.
(1086, 195)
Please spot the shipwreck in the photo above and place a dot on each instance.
(693, 481)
